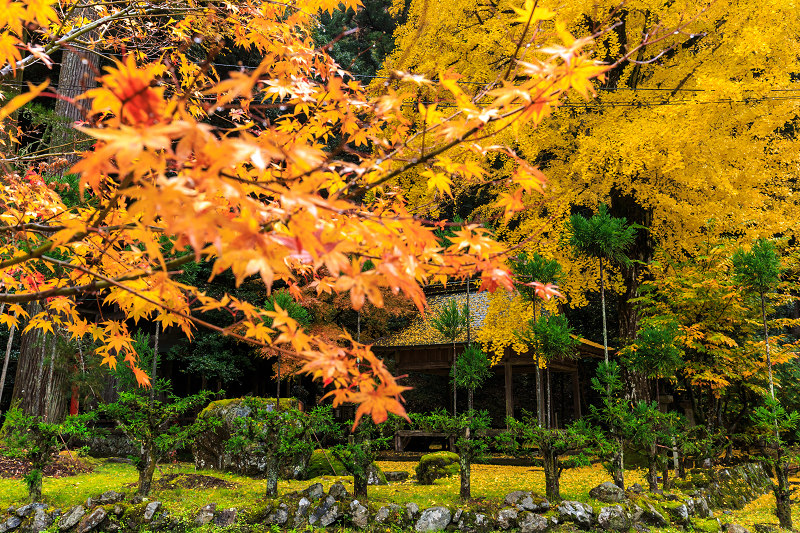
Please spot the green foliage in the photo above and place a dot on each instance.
(359, 451)
(525, 438)
(534, 268)
(601, 236)
(285, 301)
(655, 352)
(758, 269)
(774, 423)
(451, 320)
(471, 368)
(429, 421)
(153, 423)
(37, 441)
(551, 337)
(325, 463)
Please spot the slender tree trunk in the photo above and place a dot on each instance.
(603, 307)
(272, 476)
(146, 470)
(28, 391)
(618, 465)
(466, 473)
(539, 394)
(49, 390)
(551, 474)
(6, 360)
(783, 494)
(454, 373)
(154, 370)
(665, 478)
(549, 399)
(652, 468)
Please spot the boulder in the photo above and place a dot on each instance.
(412, 511)
(527, 501)
(205, 514)
(324, 463)
(29, 509)
(375, 476)
(338, 491)
(613, 518)
(325, 514)
(394, 476)
(225, 518)
(608, 492)
(314, 492)
(359, 515)
(433, 518)
(736, 528)
(71, 518)
(507, 518)
(531, 522)
(652, 517)
(471, 522)
(210, 450)
(678, 512)
(110, 496)
(301, 515)
(389, 514)
(150, 510)
(279, 516)
(41, 521)
(92, 520)
(11, 524)
(435, 466)
(699, 507)
(577, 512)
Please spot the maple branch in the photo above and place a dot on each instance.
(93, 286)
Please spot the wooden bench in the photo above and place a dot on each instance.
(403, 437)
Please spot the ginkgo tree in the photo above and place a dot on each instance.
(284, 171)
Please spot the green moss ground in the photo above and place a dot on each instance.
(490, 484)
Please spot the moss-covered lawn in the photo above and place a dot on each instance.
(489, 483)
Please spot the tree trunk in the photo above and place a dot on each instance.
(618, 465)
(146, 470)
(272, 476)
(34, 481)
(466, 474)
(603, 307)
(454, 373)
(652, 469)
(783, 494)
(470, 396)
(76, 75)
(5, 361)
(360, 479)
(29, 389)
(551, 474)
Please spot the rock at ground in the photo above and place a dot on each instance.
(679, 513)
(210, 450)
(652, 517)
(435, 466)
(636, 489)
(531, 522)
(110, 496)
(736, 528)
(433, 518)
(471, 522)
(613, 518)
(699, 507)
(527, 501)
(577, 512)
(394, 476)
(641, 528)
(205, 514)
(507, 518)
(150, 510)
(71, 518)
(338, 491)
(301, 515)
(11, 524)
(314, 492)
(608, 492)
(325, 514)
(29, 509)
(92, 520)
(118, 510)
(225, 518)
(412, 511)
(388, 514)
(41, 521)
(375, 475)
(279, 516)
(765, 528)
(359, 515)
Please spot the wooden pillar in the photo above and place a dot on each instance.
(509, 389)
(576, 394)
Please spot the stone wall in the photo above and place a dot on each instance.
(521, 511)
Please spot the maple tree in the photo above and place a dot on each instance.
(237, 171)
